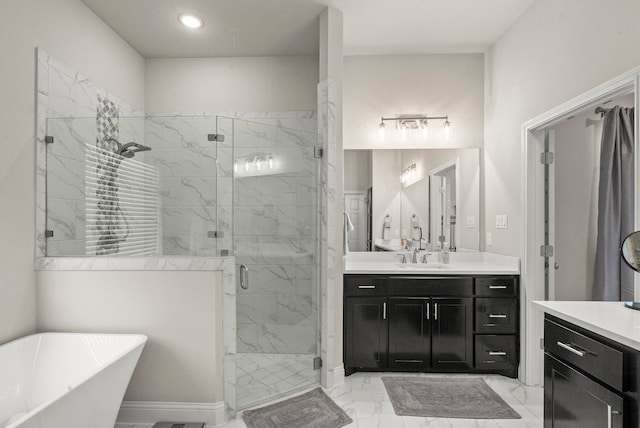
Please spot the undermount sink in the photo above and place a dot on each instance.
(422, 266)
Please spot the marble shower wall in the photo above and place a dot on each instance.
(67, 104)
(276, 236)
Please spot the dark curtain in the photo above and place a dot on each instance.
(613, 280)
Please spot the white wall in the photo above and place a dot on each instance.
(357, 169)
(231, 84)
(68, 30)
(436, 85)
(554, 52)
(179, 311)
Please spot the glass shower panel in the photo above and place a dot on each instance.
(275, 204)
(188, 166)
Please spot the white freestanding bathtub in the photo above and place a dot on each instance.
(66, 380)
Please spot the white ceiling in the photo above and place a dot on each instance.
(290, 27)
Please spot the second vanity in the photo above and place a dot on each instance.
(459, 317)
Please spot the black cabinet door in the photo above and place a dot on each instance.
(452, 333)
(366, 341)
(572, 400)
(409, 333)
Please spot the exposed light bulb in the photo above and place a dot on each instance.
(424, 129)
(258, 164)
(381, 132)
(447, 130)
(247, 165)
(270, 161)
(235, 166)
(404, 131)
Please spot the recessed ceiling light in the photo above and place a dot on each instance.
(190, 20)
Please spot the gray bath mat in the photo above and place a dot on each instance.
(313, 409)
(449, 397)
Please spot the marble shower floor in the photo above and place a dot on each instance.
(263, 375)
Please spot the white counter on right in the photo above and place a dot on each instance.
(609, 319)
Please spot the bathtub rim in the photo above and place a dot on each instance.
(141, 341)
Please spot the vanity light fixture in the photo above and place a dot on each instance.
(190, 20)
(408, 173)
(406, 123)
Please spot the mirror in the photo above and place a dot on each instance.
(630, 250)
(430, 192)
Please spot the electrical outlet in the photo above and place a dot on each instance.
(489, 239)
(502, 221)
(471, 222)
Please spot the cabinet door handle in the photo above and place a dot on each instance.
(610, 414)
(497, 287)
(497, 353)
(571, 349)
(366, 286)
(384, 311)
(428, 310)
(435, 311)
(497, 315)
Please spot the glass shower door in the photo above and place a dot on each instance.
(275, 233)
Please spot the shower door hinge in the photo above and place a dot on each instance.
(216, 137)
(317, 152)
(542, 343)
(48, 139)
(215, 234)
(546, 251)
(317, 363)
(48, 233)
(546, 158)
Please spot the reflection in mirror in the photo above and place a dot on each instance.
(631, 255)
(400, 189)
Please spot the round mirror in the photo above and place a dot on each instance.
(631, 255)
(631, 250)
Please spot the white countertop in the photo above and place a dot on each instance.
(608, 319)
(462, 263)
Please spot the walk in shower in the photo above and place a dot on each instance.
(204, 186)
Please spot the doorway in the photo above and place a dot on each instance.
(539, 224)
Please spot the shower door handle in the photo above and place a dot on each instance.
(244, 277)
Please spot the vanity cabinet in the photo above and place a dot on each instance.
(431, 323)
(589, 380)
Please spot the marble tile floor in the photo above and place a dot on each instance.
(264, 375)
(365, 400)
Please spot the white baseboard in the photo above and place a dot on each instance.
(338, 375)
(150, 412)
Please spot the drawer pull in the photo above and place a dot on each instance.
(489, 324)
(497, 315)
(366, 286)
(497, 287)
(497, 353)
(571, 349)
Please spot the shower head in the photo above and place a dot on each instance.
(130, 149)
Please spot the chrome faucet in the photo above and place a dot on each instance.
(424, 258)
(415, 256)
(404, 258)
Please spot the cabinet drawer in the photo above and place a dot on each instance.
(496, 352)
(496, 315)
(591, 356)
(365, 286)
(498, 287)
(434, 286)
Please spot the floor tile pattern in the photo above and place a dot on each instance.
(365, 399)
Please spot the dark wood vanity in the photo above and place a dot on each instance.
(589, 380)
(431, 323)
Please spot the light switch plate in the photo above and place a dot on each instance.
(489, 239)
(471, 222)
(502, 221)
